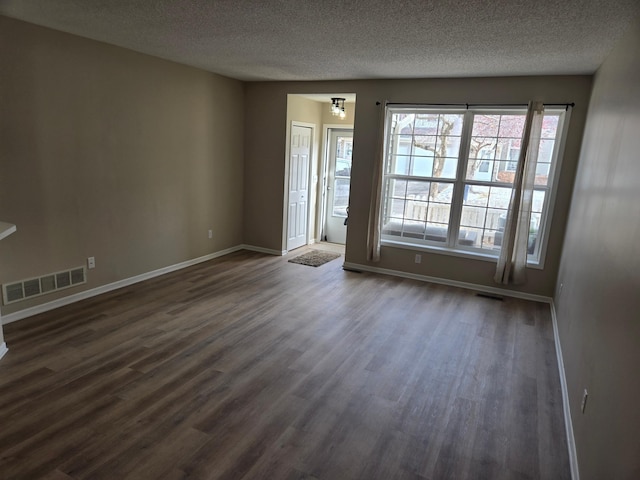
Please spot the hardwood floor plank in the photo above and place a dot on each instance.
(248, 367)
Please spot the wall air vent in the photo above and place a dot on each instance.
(34, 287)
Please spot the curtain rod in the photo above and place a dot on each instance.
(467, 105)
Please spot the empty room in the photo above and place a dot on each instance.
(319, 240)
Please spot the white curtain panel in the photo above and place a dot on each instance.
(373, 234)
(512, 261)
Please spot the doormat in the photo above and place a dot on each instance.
(314, 258)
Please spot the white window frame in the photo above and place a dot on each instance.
(535, 260)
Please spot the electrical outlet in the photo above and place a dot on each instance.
(210, 233)
(418, 258)
(585, 395)
(91, 262)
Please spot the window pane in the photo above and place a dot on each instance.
(545, 152)
(341, 196)
(512, 126)
(436, 232)
(401, 143)
(470, 237)
(424, 145)
(422, 167)
(399, 165)
(397, 188)
(538, 200)
(417, 215)
(480, 170)
(454, 120)
(439, 214)
(479, 225)
(446, 168)
(476, 195)
(396, 208)
(427, 123)
(483, 147)
(499, 197)
(542, 173)
(534, 231)
(486, 125)
(418, 189)
(448, 146)
(503, 172)
(494, 148)
(473, 216)
(550, 125)
(402, 123)
(535, 222)
(416, 210)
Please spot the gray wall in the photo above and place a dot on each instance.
(265, 139)
(109, 153)
(598, 307)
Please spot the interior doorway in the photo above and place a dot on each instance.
(338, 182)
(310, 182)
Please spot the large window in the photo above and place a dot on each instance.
(449, 175)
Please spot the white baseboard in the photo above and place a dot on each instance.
(452, 283)
(3, 349)
(571, 442)
(60, 302)
(263, 250)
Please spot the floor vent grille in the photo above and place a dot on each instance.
(34, 287)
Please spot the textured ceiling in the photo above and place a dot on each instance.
(350, 39)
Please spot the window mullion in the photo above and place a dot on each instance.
(458, 189)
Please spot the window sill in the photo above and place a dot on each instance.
(451, 252)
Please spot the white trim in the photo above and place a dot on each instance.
(60, 302)
(571, 442)
(268, 251)
(452, 283)
(3, 349)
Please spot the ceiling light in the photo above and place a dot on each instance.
(337, 107)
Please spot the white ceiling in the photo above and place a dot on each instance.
(356, 39)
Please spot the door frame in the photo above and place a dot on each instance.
(324, 168)
(287, 180)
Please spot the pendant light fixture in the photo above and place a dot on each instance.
(337, 108)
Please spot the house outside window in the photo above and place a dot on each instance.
(449, 174)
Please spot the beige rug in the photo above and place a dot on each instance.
(314, 258)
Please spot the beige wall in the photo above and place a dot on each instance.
(265, 112)
(109, 153)
(307, 111)
(598, 307)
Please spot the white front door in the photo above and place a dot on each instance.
(299, 159)
(338, 183)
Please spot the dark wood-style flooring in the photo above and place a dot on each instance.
(250, 367)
